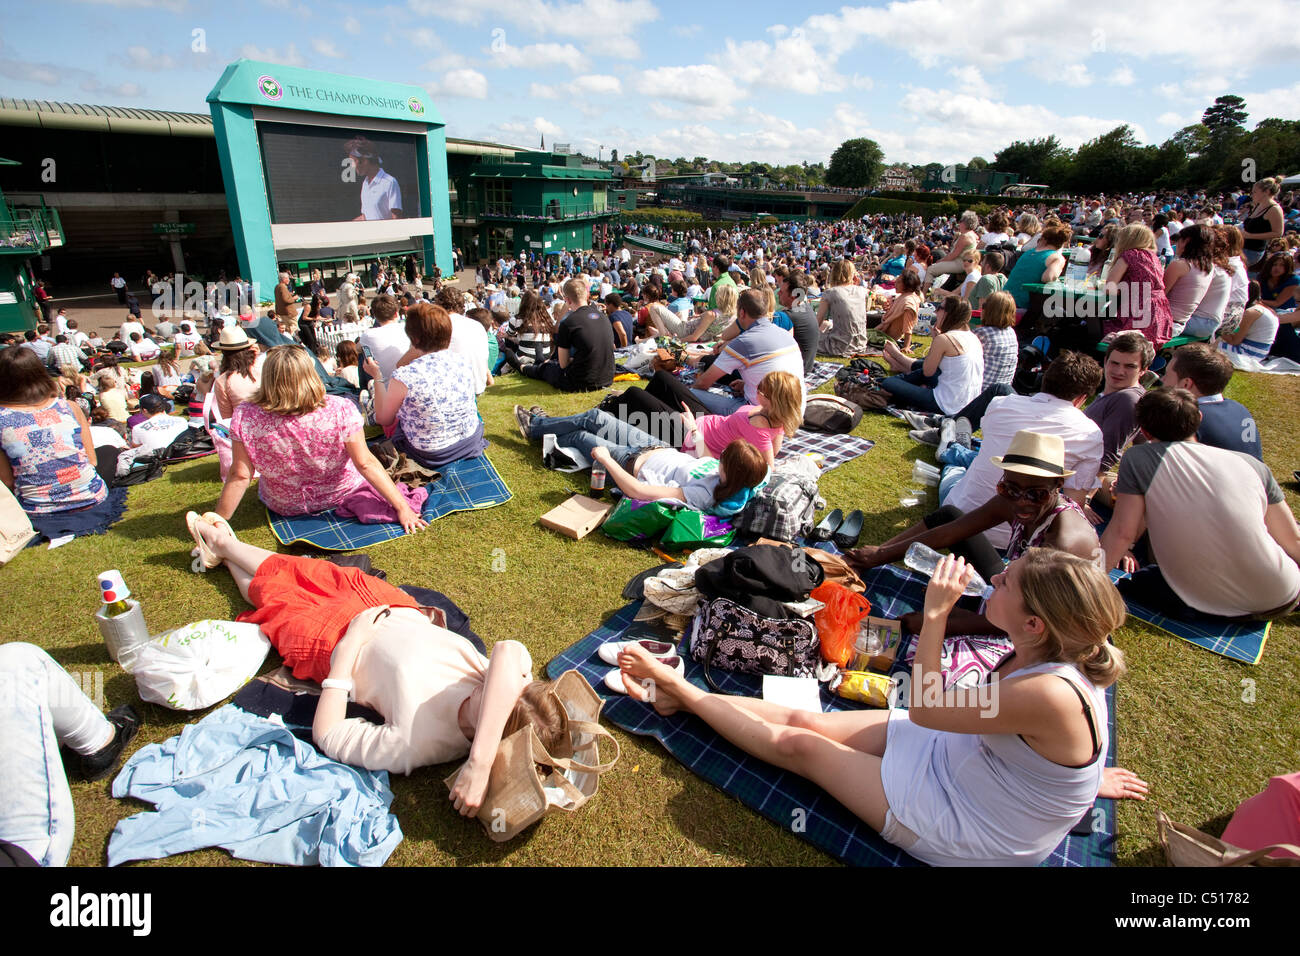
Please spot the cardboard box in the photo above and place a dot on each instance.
(577, 517)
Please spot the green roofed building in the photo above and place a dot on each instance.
(26, 230)
(539, 202)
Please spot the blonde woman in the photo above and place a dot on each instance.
(777, 416)
(1027, 229)
(309, 448)
(1136, 287)
(719, 323)
(1029, 769)
(758, 280)
(1263, 220)
(970, 261)
(842, 314)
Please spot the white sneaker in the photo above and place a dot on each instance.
(947, 434)
(614, 679)
(660, 650)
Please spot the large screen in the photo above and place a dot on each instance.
(336, 174)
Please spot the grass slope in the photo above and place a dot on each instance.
(1184, 725)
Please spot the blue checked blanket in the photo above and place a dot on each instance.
(1238, 642)
(778, 794)
(468, 485)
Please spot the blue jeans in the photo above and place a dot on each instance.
(594, 428)
(914, 389)
(718, 404)
(957, 458)
(43, 708)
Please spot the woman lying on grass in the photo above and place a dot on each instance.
(995, 778)
(365, 639)
(645, 469)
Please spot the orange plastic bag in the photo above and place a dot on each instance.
(837, 623)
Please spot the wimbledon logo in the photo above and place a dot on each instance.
(268, 87)
(415, 106)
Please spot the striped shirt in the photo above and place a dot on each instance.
(759, 349)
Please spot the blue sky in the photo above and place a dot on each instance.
(930, 81)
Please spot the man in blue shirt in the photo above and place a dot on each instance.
(623, 322)
(1205, 372)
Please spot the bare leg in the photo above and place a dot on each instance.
(896, 359)
(862, 730)
(242, 560)
(850, 776)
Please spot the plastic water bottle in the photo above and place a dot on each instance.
(925, 559)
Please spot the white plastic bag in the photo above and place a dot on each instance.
(195, 666)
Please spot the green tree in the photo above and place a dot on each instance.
(1226, 118)
(857, 163)
(978, 162)
(1113, 162)
(1032, 160)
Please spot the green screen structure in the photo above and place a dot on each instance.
(319, 166)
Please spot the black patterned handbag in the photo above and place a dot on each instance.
(734, 638)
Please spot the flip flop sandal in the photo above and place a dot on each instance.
(204, 559)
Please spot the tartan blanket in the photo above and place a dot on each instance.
(775, 793)
(837, 448)
(1238, 642)
(468, 485)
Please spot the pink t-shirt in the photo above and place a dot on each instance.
(719, 431)
(303, 462)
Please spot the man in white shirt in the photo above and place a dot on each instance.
(143, 348)
(77, 337)
(128, 327)
(386, 339)
(381, 196)
(1067, 384)
(186, 340)
(157, 431)
(468, 337)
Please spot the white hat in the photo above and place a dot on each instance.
(233, 339)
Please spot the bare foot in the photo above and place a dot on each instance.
(1120, 784)
(649, 681)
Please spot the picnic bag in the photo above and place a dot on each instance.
(524, 770)
(694, 529)
(866, 397)
(830, 413)
(1185, 846)
(784, 508)
(734, 638)
(637, 519)
(197, 665)
(15, 527)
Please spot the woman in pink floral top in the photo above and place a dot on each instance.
(307, 447)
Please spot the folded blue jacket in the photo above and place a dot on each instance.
(246, 784)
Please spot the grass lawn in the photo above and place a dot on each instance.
(1183, 724)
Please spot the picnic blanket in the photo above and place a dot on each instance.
(837, 449)
(1238, 642)
(775, 793)
(468, 485)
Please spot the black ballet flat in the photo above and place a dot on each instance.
(829, 525)
(849, 532)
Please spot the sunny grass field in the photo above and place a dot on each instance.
(1183, 725)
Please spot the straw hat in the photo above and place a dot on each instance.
(1031, 453)
(233, 339)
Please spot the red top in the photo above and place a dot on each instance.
(1140, 299)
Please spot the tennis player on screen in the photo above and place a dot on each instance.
(381, 196)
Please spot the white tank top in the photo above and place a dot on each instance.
(1215, 301)
(961, 377)
(991, 799)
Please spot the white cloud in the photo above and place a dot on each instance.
(1277, 103)
(467, 84)
(176, 5)
(142, 58)
(1121, 76)
(701, 85)
(791, 64)
(540, 125)
(446, 61)
(688, 30)
(539, 91)
(325, 47)
(971, 79)
(605, 28)
(536, 56)
(290, 57)
(1067, 74)
(51, 74)
(1176, 120)
(596, 85)
(352, 25)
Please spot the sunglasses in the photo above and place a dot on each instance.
(1035, 496)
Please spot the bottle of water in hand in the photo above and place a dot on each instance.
(925, 559)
